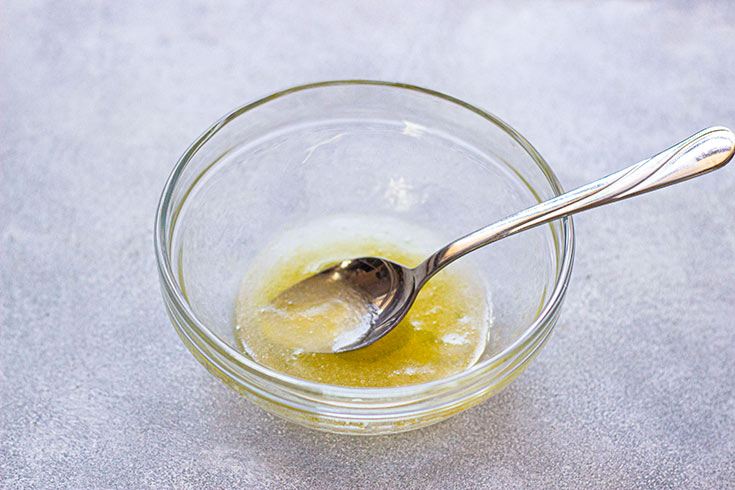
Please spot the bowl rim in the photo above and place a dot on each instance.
(171, 285)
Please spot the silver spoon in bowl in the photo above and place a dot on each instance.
(387, 290)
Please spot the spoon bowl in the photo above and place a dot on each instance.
(383, 287)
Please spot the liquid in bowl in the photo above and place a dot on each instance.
(445, 332)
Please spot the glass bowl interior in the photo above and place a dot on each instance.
(363, 148)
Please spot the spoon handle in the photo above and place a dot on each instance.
(705, 151)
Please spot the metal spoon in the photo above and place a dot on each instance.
(389, 289)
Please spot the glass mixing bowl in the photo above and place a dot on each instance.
(359, 147)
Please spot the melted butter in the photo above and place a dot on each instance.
(444, 333)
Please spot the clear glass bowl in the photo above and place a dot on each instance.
(358, 147)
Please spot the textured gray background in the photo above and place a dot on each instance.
(98, 100)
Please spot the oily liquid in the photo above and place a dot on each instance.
(444, 333)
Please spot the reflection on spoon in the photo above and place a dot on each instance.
(320, 314)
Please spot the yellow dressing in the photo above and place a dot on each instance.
(444, 333)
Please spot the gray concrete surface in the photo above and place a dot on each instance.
(98, 100)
